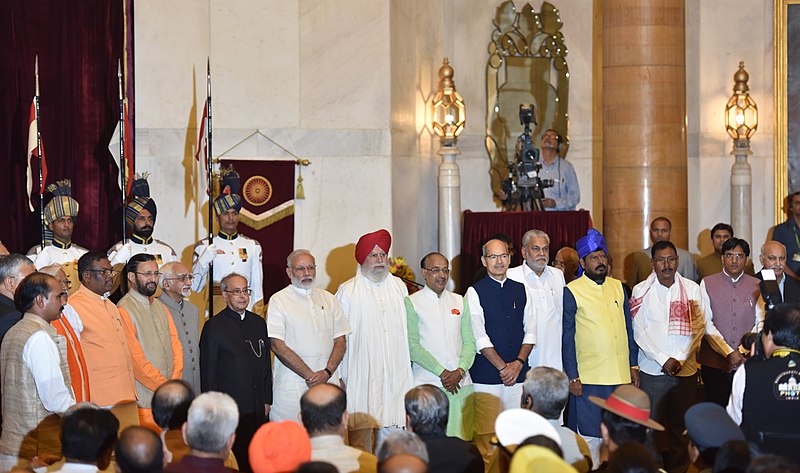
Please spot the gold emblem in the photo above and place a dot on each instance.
(257, 190)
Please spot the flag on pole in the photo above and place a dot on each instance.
(33, 153)
(201, 140)
(113, 147)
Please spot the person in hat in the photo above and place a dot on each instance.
(231, 252)
(279, 447)
(59, 218)
(140, 217)
(625, 416)
(597, 344)
(539, 459)
(376, 368)
(708, 427)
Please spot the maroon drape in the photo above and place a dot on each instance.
(78, 44)
(563, 228)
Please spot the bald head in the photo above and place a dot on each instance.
(567, 261)
(176, 280)
(403, 463)
(773, 256)
(139, 450)
(171, 403)
(322, 409)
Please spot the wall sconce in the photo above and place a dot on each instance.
(741, 113)
(449, 112)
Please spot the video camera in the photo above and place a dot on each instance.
(524, 188)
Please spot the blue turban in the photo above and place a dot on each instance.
(592, 242)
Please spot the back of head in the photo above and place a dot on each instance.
(400, 442)
(733, 456)
(783, 322)
(632, 457)
(322, 408)
(211, 420)
(403, 463)
(171, 403)
(543, 441)
(622, 430)
(87, 433)
(427, 408)
(316, 467)
(279, 447)
(548, 389)
(139, 450)
(772, 464)
(11, 264)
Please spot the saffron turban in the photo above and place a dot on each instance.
(279, 447)
(592, 242)
(367, 242)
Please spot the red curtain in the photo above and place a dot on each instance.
(563, 228)
(78, 44)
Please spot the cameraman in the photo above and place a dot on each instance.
(565, 193)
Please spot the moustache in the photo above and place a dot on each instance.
(601, 267)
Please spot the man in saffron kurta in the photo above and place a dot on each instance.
(599, 352)
(155, 346)
(376, 367)
(104, 343)
(441, 343)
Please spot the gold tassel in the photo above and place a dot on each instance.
(300, 193)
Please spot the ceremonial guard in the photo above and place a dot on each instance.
(230, 252)
(59, 219)
(140, 216)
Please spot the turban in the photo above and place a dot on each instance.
(367, 242)
(62, 204)
(229, 197)
(140, 200)
(278, 447)
(539, 459)
(592, 242)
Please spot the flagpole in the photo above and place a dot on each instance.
(39, 149)
(122, 166)
(210, 187)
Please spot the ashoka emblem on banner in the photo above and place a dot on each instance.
(257, 190)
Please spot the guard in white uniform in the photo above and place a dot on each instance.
(140, 216)
(230, 252)
(307, 329)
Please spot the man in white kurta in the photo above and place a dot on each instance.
(546, 285)
(307, 330)
(441, 343)
(376, 369)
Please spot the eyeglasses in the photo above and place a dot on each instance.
(503, 256)
(149, 274)
(540, 249)
(238, 292)
(183, 277)
(734, 255)
(301, 269)
(438, 271)
(104, 272)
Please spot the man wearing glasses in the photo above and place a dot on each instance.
(307, 330)
(154, 343)
(504, 325)
(103, 340)
(732, 297)
(234, 359)
(441, 343)
(546, 284)
(176, 285)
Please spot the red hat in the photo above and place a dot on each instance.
(367, 242)
(279, 447)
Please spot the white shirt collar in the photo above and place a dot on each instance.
(734, 280)
(300, 290)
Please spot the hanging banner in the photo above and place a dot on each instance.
(267, 214)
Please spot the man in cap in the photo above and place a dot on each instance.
(152, 337)
(708, 427)
(598, 349)
(546, 285)
(140, 216)
(376, 368)
(176, 285)
(625, 417)
(307, 330)
(669, 320)
(59, 218)
(504, 325)
(441, 343)
(230, 252)
(660, 230)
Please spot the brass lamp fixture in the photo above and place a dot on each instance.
(449, 112)
(741, 113)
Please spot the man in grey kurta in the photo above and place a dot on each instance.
(176, 285)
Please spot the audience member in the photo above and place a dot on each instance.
(567, 261)
(209, 432)
(427, 416)
(88, 435)
(402, 442)
(545, 392)
(660, 230)
(772, 464)
(403, 463)
(139, 450)
(323, 410)
(170, 406)
(631, 457)
(625, 417)
(708, 427)
(733, 457)
(279, 447)
(539, 459)
(316, 467)
(514, 426)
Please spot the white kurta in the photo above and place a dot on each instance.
(376, 366)
(307, 320)
(120, 254)
(55, 255)
(548, 297)
(240, 255)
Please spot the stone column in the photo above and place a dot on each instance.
(741, 193)
(644, 123)
(450, 209)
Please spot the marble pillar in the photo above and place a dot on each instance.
(741, 192)
(450, 209)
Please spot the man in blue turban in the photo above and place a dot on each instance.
(598, 348)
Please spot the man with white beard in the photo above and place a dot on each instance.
(176, 285)
(546, 285)
(307, 330)
(376, 369)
